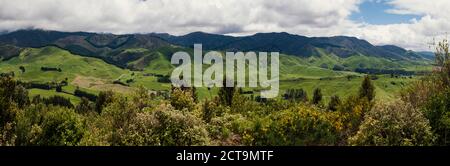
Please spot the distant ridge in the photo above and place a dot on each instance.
(113, 48)
(109, 47)
(342, 46)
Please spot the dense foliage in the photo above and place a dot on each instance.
(396, 123)
(142, 119)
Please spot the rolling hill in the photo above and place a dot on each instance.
(136, 51)
(111, 48)
(97, 62)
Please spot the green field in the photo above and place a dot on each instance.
(94, 75)
(386, 87)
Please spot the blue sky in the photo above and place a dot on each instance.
(375, 12)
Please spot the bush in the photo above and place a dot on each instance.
(22, 69)
(164, 126)
(103, 99)
(85, 106)
(12, 96)
(28, 127)
(296, 95)
(437, 110)
(7, 136)
(394, 124)
(300, 125)
(58, 101)
(338, 68)
(352, 112)
(230, 129)
(421, 91)
(57, 126)
(51, 69)
(431, 95)
(182, 99)
(209, 110)
(244, 105)
(164, 79)
(179, 128)
(140, 131)
(80, 93)
(31, 85)
(58, 88)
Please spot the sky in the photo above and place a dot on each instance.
(411, 24)
(377, 12)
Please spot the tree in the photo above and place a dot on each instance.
(182, 99)
(437, 105)
(317, 97)
(194, 94)
(442, 53)
(334, 103)
(367, 89)
(431, 94)
(437, 110)
(208, 109)
(226, 94)
(84, 106)
(28, 129)
(58, 101)
(61, 127)
(20, 96)
(103, 99)
(442, 56)
(296, 95)
(394, 124)
(58, 88)
(303, 96)
(80, 93)
(12, 95)
(22, 69)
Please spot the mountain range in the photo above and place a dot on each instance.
(291, 44)
(115, 49)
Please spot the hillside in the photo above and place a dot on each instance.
(291, 44)
(94, 75)
(90, 74)
(109, 47)
(136, 51)
(98, 62)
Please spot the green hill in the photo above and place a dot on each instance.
(91, 74)
(94, 75)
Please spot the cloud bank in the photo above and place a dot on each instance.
(233, 17)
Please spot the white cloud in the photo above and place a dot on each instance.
(415, 35)
(237, 17)
(173, 16)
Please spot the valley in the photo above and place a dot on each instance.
(101, 62)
